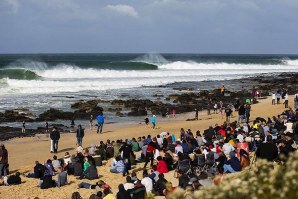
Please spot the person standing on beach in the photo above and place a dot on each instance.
(100, 121)
(286, 102)
(146, 120)
(24, 127)
(197, 114)
(174, 113)
(153, 121)
(222, 90)
(278, 95)
(3, 161)
(80, 135)
(47, 127)
(55, 136)
(273, 99)
(91, 121)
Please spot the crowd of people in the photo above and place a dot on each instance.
(194, 156)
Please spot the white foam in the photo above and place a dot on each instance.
(69, 78)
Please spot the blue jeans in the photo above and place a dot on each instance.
(99, 127)
(55, 145)
(3, 169)
(80, 140)
(84, 185)
(229, 168)
(114, 170)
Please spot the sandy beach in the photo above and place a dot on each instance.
(24, 151)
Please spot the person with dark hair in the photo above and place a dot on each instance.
(118, 166)
(169, 161)
(50, 169)
(39, 171)
(183, 179)
(100, 122)
(126, 148)
(150, 154)
(80, 135)
(12, 180)
(90, 173)
(139, 190)
(3, 161)
(161, 166)
(128, 184)
(147, 182)
(159, 185)
(122, 193)
(56, 163)
(233, 164)
(55, 136)
(267, 150)
(287, 146)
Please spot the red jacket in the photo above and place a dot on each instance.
(162, 167)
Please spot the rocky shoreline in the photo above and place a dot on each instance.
(187, 101)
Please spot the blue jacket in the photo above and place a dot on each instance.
(153, 119)
(235, 163)
(100, 119)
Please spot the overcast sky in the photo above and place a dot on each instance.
(141, 26)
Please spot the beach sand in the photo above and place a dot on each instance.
(24, 151)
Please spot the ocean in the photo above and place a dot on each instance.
(37, 82)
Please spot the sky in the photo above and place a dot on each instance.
(142, 26)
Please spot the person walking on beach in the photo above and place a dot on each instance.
(55, 136)
(24, 127)
(100, 121)
(47, 127)
(80, 135)
(153, 121)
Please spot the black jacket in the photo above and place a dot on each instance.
(39, 170)
(183, 181)
(127, 150)
(267, 151)
(80, 133)
(55, 135)
(138, 192)
(48, 182)
(14, 180)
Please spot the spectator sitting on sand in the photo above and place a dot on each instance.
(128, 184)
(11, 180)
(39, 171)
(90, 173)
(122, 193)
(46, 181)
(233, 164)
(117, 166)
(50, 168)
(66, 159)
(139, 190)
(62, 177)
(147, 182)
(56, 163)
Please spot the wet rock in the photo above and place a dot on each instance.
(14, 116)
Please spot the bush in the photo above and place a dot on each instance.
(265, 180)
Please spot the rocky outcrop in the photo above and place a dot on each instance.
(14, 116)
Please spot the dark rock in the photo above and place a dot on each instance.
(54, 114)
(14, 116)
